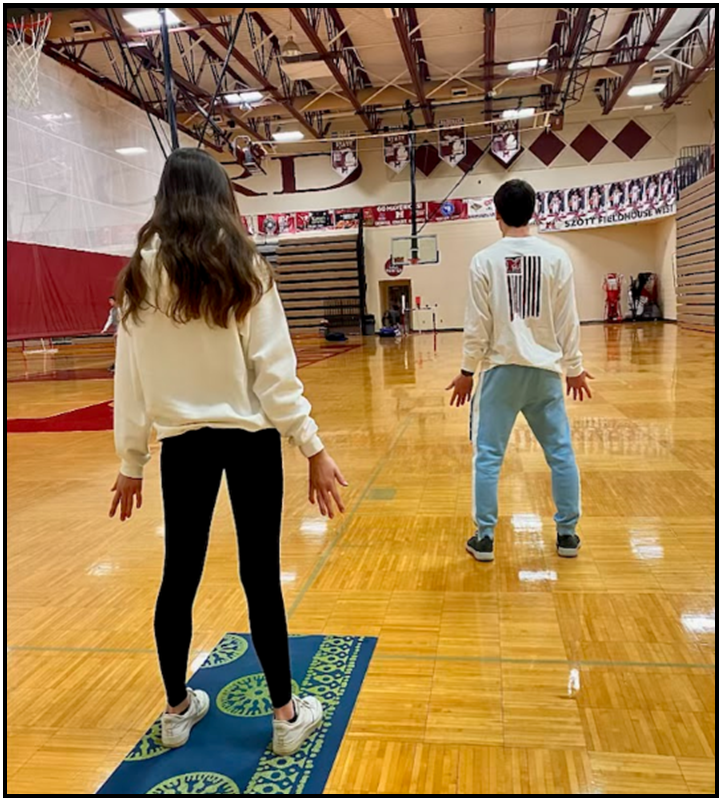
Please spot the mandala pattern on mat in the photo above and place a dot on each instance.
(327, 679)
(149, 746)
(196, 784)
(247, 697)
(230, 649)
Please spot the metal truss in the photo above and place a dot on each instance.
(586, 49)
(408, 31)
(692, 55)
(340, 56)
(641, 34)
(142, 76)
(266, 67)
(489, 58)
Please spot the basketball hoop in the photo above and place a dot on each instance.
(24, 42)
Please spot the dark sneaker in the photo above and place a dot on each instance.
(568, 546)
(481, 548)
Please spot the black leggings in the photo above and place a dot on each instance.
(192, 467)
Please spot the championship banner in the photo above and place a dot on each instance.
(506, 142)
(397, 154)
(344, 155)
(314, 221)
(397, 214)
(480, 209)
(346, 219)
(448, 210)
(619, 202)
(452, 142)
(276, 225)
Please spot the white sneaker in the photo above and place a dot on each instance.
(176, 730)
(289, 738)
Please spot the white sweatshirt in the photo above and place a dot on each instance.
(522, 309)
(179, 378)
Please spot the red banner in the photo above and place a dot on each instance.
(275, 225)
(448, 210)
(396, 214)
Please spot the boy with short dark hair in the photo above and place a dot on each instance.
(522, 329)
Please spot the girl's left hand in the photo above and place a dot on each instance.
(128, 493)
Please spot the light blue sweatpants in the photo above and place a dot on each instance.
(504, 392)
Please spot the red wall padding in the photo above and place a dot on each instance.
(56, 292)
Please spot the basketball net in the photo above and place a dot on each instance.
(23, 45)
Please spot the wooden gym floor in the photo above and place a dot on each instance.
(532, 676)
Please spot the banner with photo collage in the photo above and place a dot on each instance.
(616, 203)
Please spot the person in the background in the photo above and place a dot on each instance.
(205, 356)
(111, 325)
(522, 329)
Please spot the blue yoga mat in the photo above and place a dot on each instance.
(228, 753)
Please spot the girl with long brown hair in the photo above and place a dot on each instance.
(205, 357)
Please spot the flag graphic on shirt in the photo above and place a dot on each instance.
(524, 283)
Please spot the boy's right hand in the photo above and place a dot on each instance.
(324, 478)
(579, 385)
(463, 387)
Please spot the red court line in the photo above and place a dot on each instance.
(97, 418)
(80, 374)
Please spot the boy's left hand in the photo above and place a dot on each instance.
(579, 386)
(463, 387)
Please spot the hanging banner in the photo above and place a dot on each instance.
(396, 214)
(506, 142)
(344, 156)
(453, 142)
(598, 205)
(633, 201)
(397, 154)
(314, 221)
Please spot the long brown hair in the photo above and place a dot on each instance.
(211, 262)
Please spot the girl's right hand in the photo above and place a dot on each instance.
(324, 479)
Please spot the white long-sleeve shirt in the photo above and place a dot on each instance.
(180, 378)
(111, 324)
(522, 309)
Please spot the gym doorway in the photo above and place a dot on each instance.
(395, 297)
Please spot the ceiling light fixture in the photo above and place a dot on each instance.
(291, 48)
(245, 98)
(288, 136)
(150, 20)
(643, 90)
(518, 114)
(528, 66)
(133, 151)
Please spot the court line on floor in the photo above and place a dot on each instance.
(545, 661)
(427, 658)
(323, 559)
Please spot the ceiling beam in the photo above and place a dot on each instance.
(489, 58)
(348, 45)
(190, 89)
(700, 46)
(640, 50)
(570, 26)
(332, 61)
(406, 24)
(253, 71)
